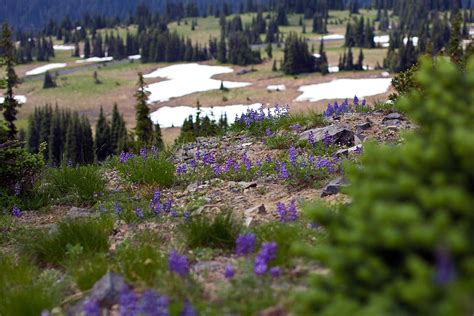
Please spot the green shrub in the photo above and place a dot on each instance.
(86, 271)
(72, 240)
(26, 291)
(75, 184)
(153, 170)
(405, 244)
(218, 232)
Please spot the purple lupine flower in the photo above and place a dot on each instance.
(187, 216)
(181, 169)
(356, 100)
(311, 140)
(268, 159)
(266, 254)
(281, 210)
(292, 155)
(138, 197)
(69, 163)
(284, 174)
(292, 214)
(445, 268)
(229, 271)
(128, 302)
(228, 165)
(118, 210)
(364, 102)
(17, 189)
(275, 272)
(192, 163)
(236, 166)
(296, 127)
(268, 132)
(91, 307)
(358, 150)
(154, 151)
(125, 156)
(246, 161)
(188, 310)
(174, 214)
(143, 153)
(209, 159)
(16, 211)
(216, 169)
(153, 304)
(139, 212)
(245, 244)
(328, 140)
(177, 263)
(167, 206)
(155, 204)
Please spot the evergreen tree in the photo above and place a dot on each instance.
(269, 50)
(118, 132)
(10, 104)
(222, 49)
(144, 125)
(55, 142)
(87, 48)
(297, 58)
(360, 61)
(455, 50)
(48, 81)
(274, 67)
(103, 142)
(87, 141)
(157, 137)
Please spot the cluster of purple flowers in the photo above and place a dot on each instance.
(245, 244)
(17, 189)
(16, 211)
(177, 263)
(266, 254)
(289, 214)
(296, 127)
(292, 154)
(256, 116)
(345, 107)
(125, 156)
(181, 169)
(229, 271)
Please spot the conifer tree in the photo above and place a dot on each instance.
(222, 49)
(10, 104)
(455, 50)
(87, 48)
(157, 137)
(144, 125)
(55, 142)
(360, 61)
(269, 51)
(87, 141)
(118, 133)
(102, 138)
(48, 81)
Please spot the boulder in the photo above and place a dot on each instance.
(107, 290)
(77, 212)
(340, 135)
(334, 186)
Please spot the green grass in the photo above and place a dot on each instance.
(218, 232)
(74, 184)
(73, 239)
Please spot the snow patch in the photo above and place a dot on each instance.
(135, 57)
(333, 37)
(280, 87)
(95, 60)
(186, 79)
(20, 98)
(344, 88)
(63, 47)
(175, 116)
(43, 69)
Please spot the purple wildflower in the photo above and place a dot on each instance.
(153, 304)
(328, 140)
(358, 150)
(245, 244)
(445, 269)
(266, 254)
(91, 307)
(216, 170)
(296, 127)
(209, 159)
(69, 163)
(292, 214)
(268, 159)
(167, 206)
(177, 263)
(154, 151)
(188, 310)
(229, 272)
(364, 102)
(16, 211)
(356, 100)
(118, 210)
(284, 174)
(246, 161)
(124, 156)
(139, 212)
(292, 155)
(17, 189)
(311, 140)
(128, 302)
(281, 210)
(192, 163)
(181, 169)
(275, 272)
(187, 216)
(268, 132)
(143, 153)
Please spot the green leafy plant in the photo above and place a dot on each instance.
(404, 245)
(153, 170)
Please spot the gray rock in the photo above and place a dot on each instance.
(260, 209)
(76, 212)
(247, 185)
(393, 116)
(364, 126)
(192, 187)
(339, 134)
(392, 123)
(334, 186)
(107, 290)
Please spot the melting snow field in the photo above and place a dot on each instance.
(95, 60)
(175, 116)
(186, 79)
(43, 69)
(333, 37)
(135, 57)
(344, 88)
(384, 40)
(63, 47)
(280, 87)
(20, 98)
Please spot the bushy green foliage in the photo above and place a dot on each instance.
(153, 170)
(219, 232)
(75, 184)
(72, 240)
(404, 82)
(404, 245)
(26, 291)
